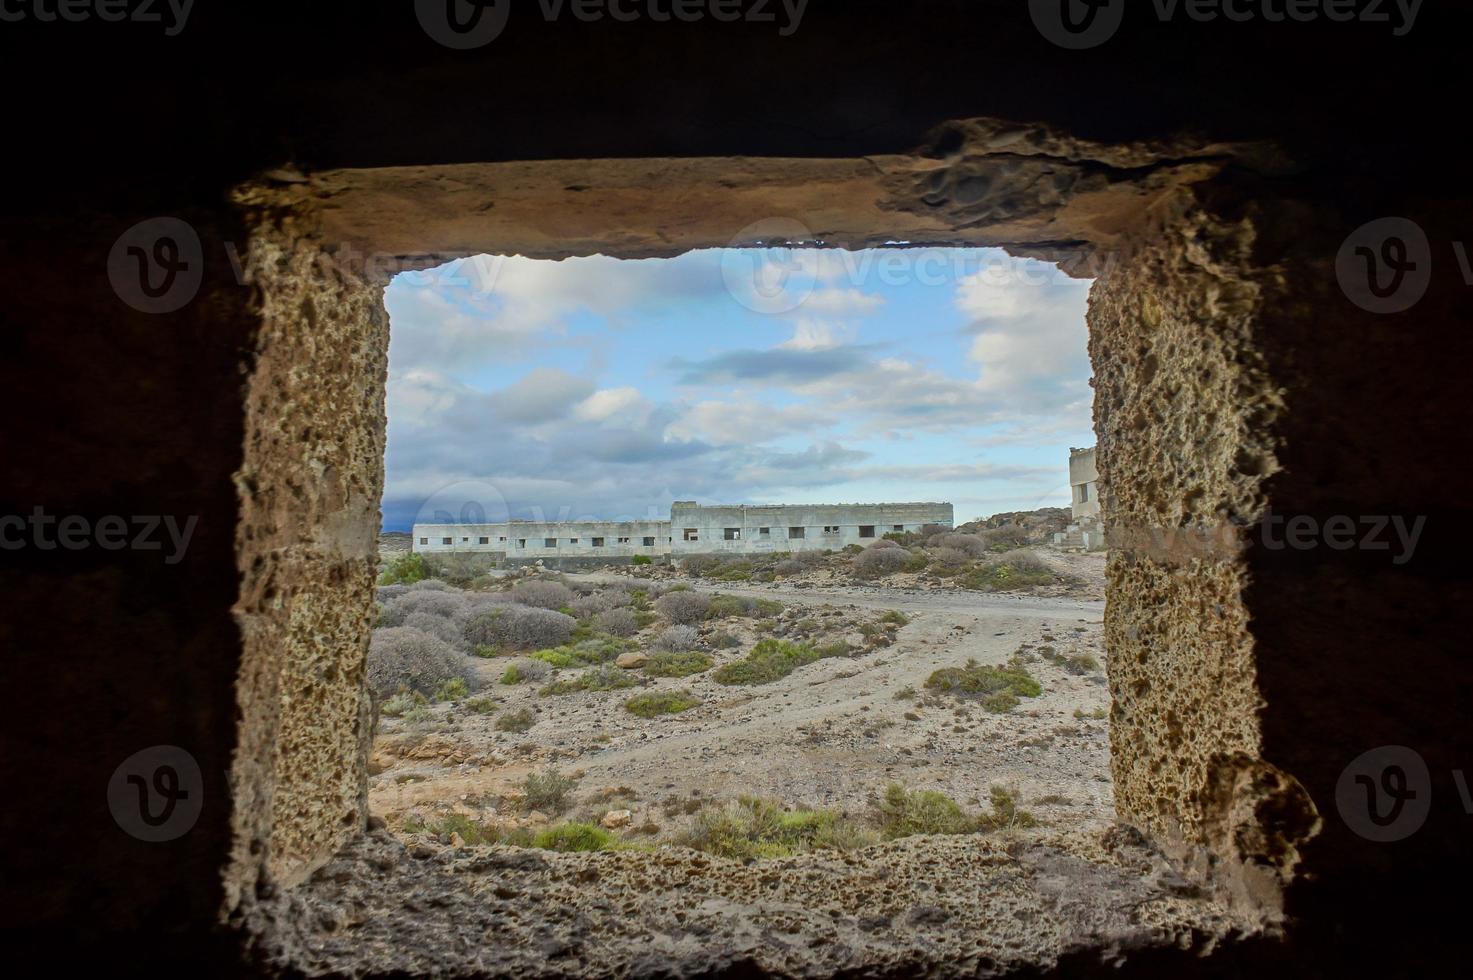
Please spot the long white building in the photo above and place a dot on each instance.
(692, 530)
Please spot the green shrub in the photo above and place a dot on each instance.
(661, 703)
(525, 670)
(1099, 714)
(481, 706)
(574, 837)
(453, 690)
(903, 813)
(906, 693)
(897, 617)
(1012, 571)
(1077, 664)
(516, 721)
(771, 660)
(997, 687)
(642, 560)
(601, 678)
(917, 562)
(1005, 814)
(400, 704)
(405, 570)
(749, 829)
(548, 791)
(675, 663)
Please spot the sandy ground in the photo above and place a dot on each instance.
(832, 734)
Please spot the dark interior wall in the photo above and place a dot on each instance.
(110, 411)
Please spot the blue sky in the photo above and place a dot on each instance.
(604, 388)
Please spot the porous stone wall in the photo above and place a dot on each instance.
(307, 543)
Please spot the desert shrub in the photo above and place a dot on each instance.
(453, 690)
(661, 703)
(404, 570)
(677, 638)
(404, 659)
(519, 628)
(917, 561)
(1005, 538)
(459, 569)
(968, 544)
(542, 594)
(770, 660)
(904, 813)
(700, 565)
(386, 592)
(481, 706)
(548, 791)
(877, 562)
(641, 560)
(732, 570)
(439, 627)
(525, 670)
(884, 544)
(683, 608)
(724, 606)
(906, 693)
(897, 617)
(400, 704)
(678, 663)
(582, 654)
(722, 641)
(748, 829)
(588, 606)
(446, 605)
(788, 567)
(601, 678)
(1005, 814)
(431, 584)
(1013, 570)
(617, 622)
(574, 837)
(1098, 714)
(1077, 664)
(948, 558)
(812, 559)
(997, 687)
(516, 721)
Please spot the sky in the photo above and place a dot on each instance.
(600, 388)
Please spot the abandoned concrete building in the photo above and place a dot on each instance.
(693, 529)
(1085, 530)
(1272, 211)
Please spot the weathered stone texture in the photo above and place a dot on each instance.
(307, 546)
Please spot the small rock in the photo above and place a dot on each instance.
(617, 818)
(632, 660)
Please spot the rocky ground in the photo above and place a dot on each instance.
(832, 735)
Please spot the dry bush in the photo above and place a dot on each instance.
(430, 585)
(446, 605)
(876, 562)
(518, 628)
(439, 627)
(788, 566)
(683, 608)
(812, 558)
(401, 658)
(968, 544)
(885, 543)
(617, 622)
(677, 638)
(948, 557)
(385, 593)
(1005, 537)
(541, 594)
